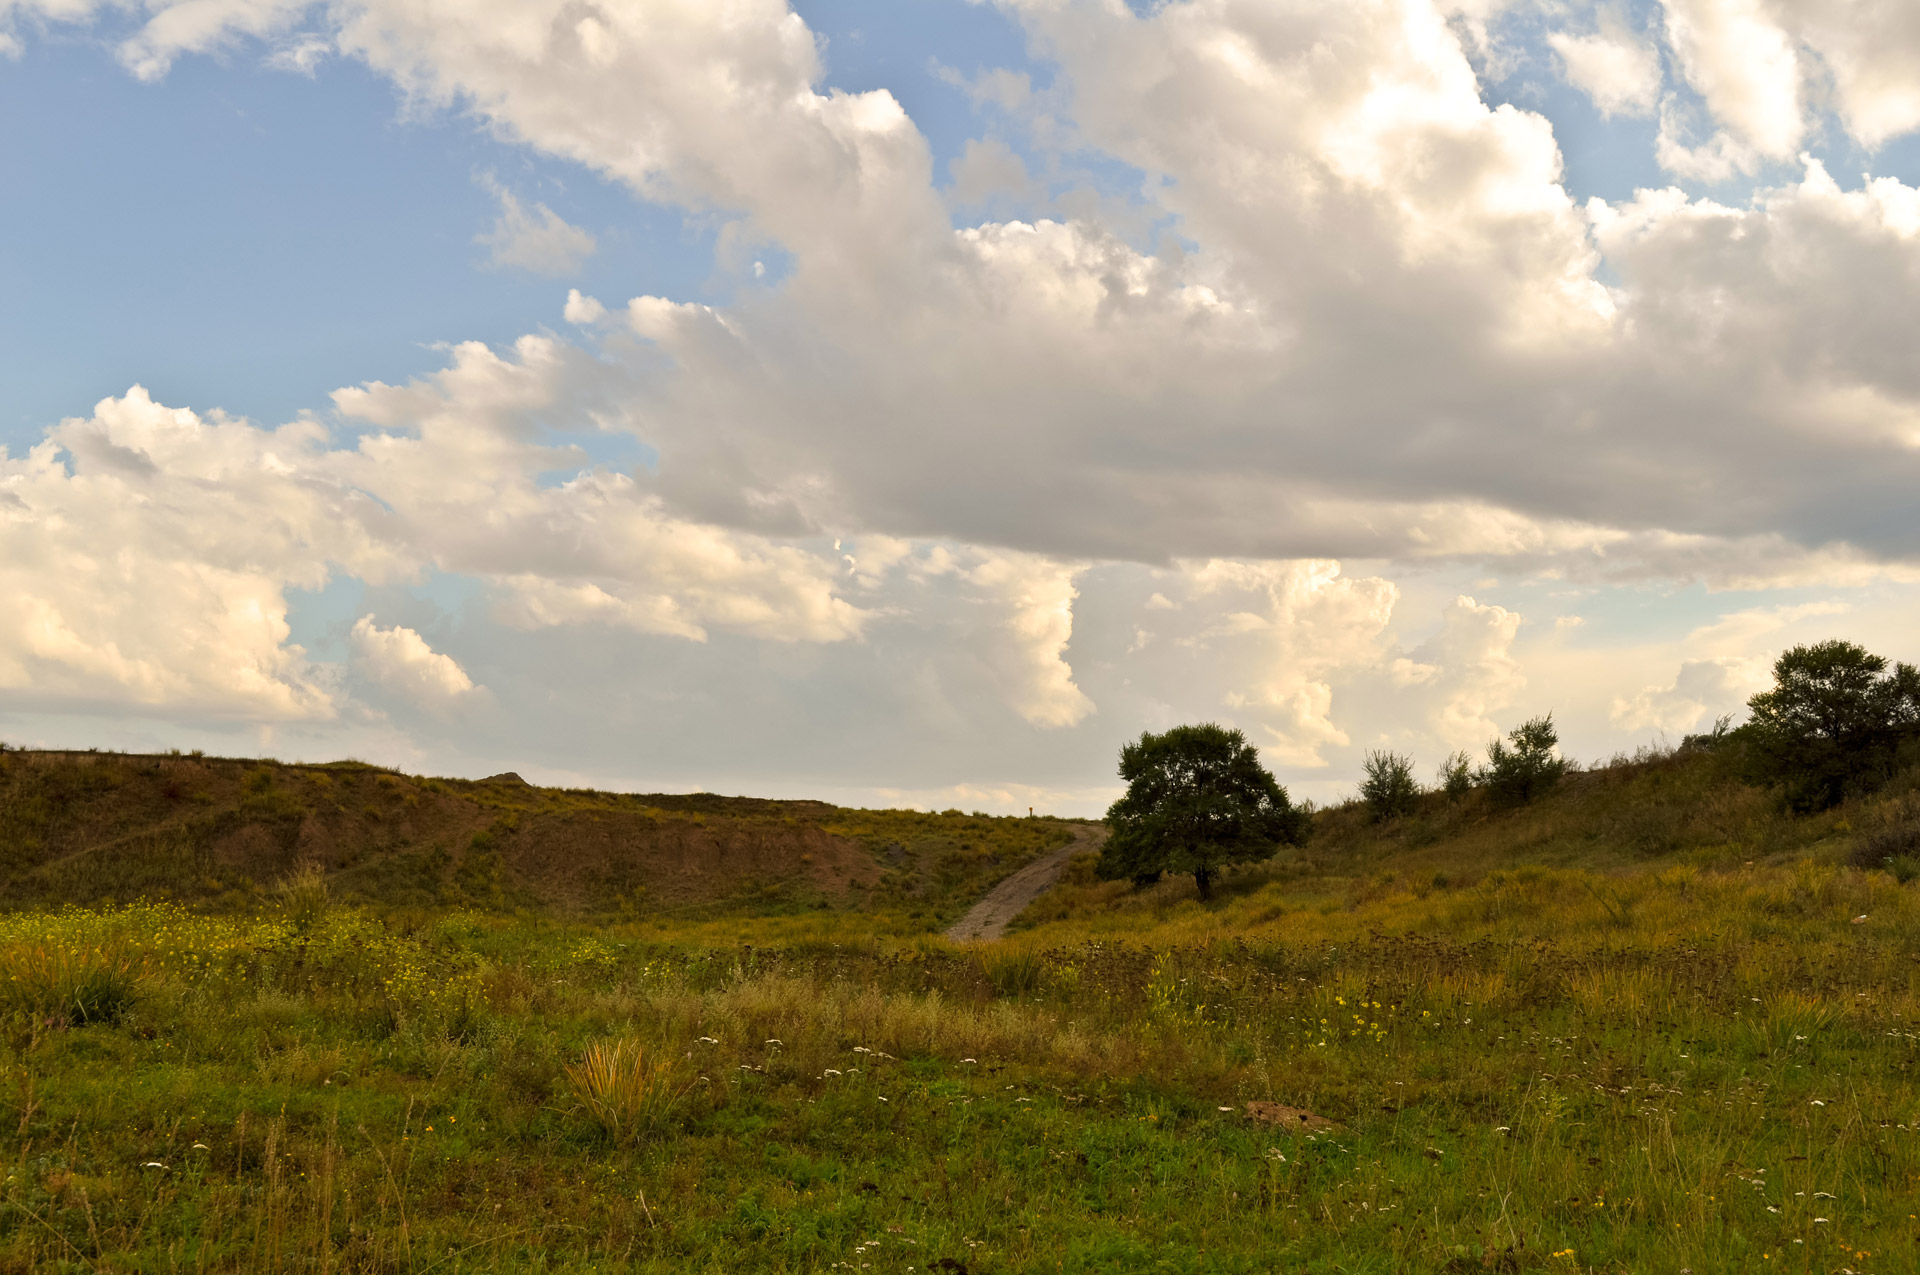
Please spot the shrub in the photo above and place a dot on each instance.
(1389, 789)
(1516, 775)
(626, 1092)
(73, 984)
(1456, 775)
(1709, 741)
(1895, 849)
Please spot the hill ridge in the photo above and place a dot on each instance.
(87, 826)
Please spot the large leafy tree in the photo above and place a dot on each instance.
(1197, 799)
(1833, 722)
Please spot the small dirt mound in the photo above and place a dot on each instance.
(506, 777)
(1293, 1119)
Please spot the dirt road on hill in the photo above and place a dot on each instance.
(987, 919)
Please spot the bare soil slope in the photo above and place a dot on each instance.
(988, 919)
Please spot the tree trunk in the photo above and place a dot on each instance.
(1203, 877)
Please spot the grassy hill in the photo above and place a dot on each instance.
(1595, 856)
(88, 827)
(1650, 1022)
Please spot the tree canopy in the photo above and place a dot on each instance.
(1197, 799)
(1832, 724)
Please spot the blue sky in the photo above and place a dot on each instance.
(668, 508)
(250, 238)
(253, 238)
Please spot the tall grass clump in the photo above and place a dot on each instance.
(1791, 1019)
(303, 894)
(75, 984)
(1013, 971)
(626, 1091)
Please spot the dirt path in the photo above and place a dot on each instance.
(987, 919)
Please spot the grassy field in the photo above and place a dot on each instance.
(1648, 1024)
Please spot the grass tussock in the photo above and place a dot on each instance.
(305, 896)
(69, 984)
(1012, 969)
(627, 1090)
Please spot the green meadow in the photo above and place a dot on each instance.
(1651, 1022)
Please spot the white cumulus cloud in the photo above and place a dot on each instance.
(1456, 681)
(1746, 66)
(144, 553)
(1700, 691)
(1612, 65)
(1028, 654)
(1376, 327)
(400, 660)
(1315, 625)
(536, 239)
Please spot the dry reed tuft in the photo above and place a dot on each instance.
(627, 1092)
(74, 984)
(303, 893)
(1012, 971)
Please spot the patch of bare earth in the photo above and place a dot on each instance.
(1291, 1119)
(988, 919)
(576, 858)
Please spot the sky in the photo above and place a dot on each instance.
(908, 403)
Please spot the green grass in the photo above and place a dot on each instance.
(1633, 1029)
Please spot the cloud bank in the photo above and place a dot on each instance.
(1352, 314)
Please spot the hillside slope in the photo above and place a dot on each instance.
(1605, 840)
(87, 827)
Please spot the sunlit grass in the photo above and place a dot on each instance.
(69, 983)
(1614, 1091)
(1680, 1033)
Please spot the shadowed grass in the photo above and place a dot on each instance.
(1011, 969)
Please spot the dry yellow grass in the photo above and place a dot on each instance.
(627, 1090)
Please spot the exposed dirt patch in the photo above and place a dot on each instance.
(582, 859)
(1292, 1119)
(987, 920)
(253, 848)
